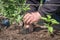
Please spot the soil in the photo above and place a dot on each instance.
(13, 33)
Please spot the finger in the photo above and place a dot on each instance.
(26, 15)
(33, 15)
(27, 18)
(30, 19)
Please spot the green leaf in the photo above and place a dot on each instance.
(18, 18)
(54, 21)
(12, 0)
(50, 29)
(44, 18)
(25, 9)
(13, 15)
(48, 16)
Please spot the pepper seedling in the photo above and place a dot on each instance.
(49, 22)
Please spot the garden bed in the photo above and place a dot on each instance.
(14, 12)
(12, 33)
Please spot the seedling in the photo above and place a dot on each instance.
(12, 9)
(49, 22)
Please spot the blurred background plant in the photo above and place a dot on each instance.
(13, 9)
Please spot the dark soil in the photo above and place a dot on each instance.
(13, 33)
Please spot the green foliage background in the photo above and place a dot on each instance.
(12, 9)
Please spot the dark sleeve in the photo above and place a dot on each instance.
(50, 6)
(33, 5)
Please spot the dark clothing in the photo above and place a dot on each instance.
(34, 4)
(49, 6)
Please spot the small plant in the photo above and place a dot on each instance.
(49, 22)
(12, 9)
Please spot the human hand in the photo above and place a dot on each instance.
(31, 18)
